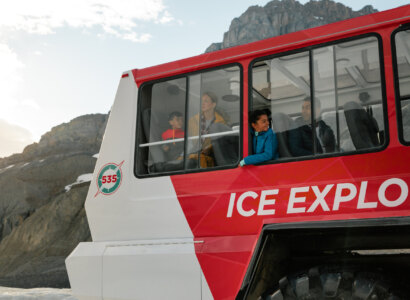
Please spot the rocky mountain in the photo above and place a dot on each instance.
(284, 16)
(42, 214)
(43, 189)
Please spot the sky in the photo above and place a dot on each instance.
(61, 59)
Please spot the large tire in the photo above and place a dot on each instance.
(330, 283)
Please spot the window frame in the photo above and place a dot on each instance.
(310, 53)
(186, 76)
(397, 95)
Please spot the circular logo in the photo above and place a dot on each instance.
(109, 178)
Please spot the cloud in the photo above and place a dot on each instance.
(10, 73)
(120, 18)
(166, 18)
(13, 138)
(14, 110)
(133, 37)
(30, 104)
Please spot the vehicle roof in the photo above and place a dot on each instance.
(299, 39)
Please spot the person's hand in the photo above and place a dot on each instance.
(207, 150)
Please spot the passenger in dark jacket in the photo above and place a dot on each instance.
(264, 141)
(301, 138)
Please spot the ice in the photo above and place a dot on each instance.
(85, 177)
(82, 178)
(37, 293)
(4, 169)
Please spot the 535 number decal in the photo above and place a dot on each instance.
(109, 179)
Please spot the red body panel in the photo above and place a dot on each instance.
(210, 199)
(205, 197)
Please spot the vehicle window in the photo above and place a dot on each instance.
(213, 119)
(326, 100)
(402, 43)
(162, 141)
(189, 123)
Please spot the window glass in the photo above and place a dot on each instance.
(288, 81)
(402, 41)
(213, 119)
(339, 109)
(161, 146)
(189, 123)
(325, 108)
(360, 122)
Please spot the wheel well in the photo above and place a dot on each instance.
(283, 250)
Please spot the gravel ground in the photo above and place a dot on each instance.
(37, 293)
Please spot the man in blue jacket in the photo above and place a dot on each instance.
(301, 138)
(264, 141)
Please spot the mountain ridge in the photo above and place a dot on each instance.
(282, 17)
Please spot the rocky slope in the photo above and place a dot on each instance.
(41, 222)
(279, 17)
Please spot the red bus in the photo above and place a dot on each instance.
(175, 214)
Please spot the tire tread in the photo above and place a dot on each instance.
(332, 283)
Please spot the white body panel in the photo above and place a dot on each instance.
(156, 277)
(132, 256)
(84, 267)
(137, 270)
(149, 206)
